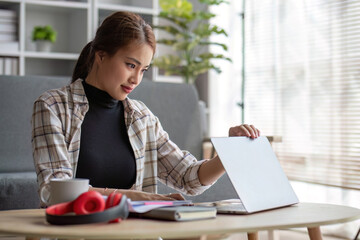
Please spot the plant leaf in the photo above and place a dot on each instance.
(204, 15)
(167, 61)
(212, 56)
(179, 22)
(191, 31)
(179, 8)
(170, 29)
(181, 46)
(168, 42)
(214, 43)
(213, 2)
(205, 30)
(44, 33)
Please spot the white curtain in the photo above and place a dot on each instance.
(303, 84)
(302, 64)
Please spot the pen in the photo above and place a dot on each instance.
(168, 203)
(159, 203)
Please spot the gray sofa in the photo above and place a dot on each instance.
(176, 105)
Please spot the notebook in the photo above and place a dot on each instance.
(179, 213)
(255, 173)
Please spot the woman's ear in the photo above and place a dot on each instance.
(99, 56)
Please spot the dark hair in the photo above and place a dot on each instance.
(117, 31)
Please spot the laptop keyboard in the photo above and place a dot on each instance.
(231, 208)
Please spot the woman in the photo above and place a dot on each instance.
(91, 129)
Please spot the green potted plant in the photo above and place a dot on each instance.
(44, 37)
(189, 33)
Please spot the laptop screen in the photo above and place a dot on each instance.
(255, 172)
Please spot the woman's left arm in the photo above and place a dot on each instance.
(212, 170)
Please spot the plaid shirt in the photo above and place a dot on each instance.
(56, 123)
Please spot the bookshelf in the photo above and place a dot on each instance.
(75, 21)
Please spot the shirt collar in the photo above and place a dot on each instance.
(78, 92)
(131, 108)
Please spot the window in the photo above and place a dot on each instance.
(302, 65)
(225, 88)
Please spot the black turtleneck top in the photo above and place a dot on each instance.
(106, 156)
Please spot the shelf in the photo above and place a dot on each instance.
(49, 67)
(112, 7)
(55, 8)
(62, 4)
(71, 25)
(75, 22)
(10, 1)
(148, 4)
(173, 79)
(9, 54)
(52, 55)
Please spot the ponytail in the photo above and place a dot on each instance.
(84, 63)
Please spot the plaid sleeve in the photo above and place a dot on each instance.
(49, 147)
(177, 168)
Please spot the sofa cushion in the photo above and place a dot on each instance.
(177, 107)
(18, 191)
(17, 96)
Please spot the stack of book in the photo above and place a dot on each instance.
(9, 65)
(8, 30)
(9, 43)
(170, 210)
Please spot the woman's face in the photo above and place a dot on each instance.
(121, 73)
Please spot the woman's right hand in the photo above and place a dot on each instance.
(135, 195)
(145, 196)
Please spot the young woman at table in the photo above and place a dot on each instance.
(91, 129)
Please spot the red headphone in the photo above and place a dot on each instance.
(89, 207)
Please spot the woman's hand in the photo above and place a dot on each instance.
(212, 170)
(139, 195)
(145, 196)
(244, 130)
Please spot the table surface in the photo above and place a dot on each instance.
(32, 223)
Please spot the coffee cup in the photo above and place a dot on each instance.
(66, 190)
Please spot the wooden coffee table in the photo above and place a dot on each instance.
(31, 223)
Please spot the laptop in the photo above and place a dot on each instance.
(256, 175)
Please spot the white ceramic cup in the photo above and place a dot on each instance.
(66, 190)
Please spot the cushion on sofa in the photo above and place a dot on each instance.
(17, 96)
(18, 191)
(177, 107)
(18, 186)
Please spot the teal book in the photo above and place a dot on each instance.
(180, 213)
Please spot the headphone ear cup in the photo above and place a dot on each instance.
(113, 200)
(89, 202)
(61, 208)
